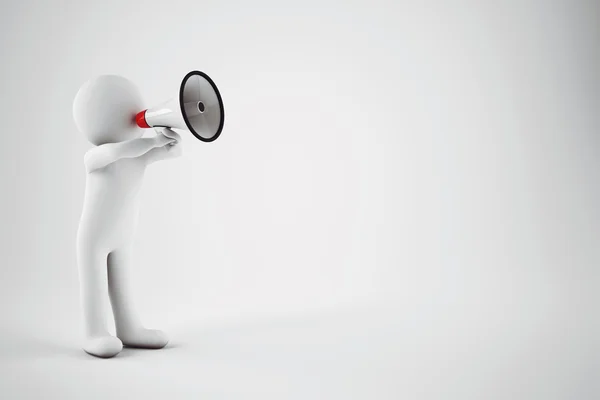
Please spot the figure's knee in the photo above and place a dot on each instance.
(92, 265)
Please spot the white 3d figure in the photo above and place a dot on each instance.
(104, 110)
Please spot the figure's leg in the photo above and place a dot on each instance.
(129, 327)
(93, 288)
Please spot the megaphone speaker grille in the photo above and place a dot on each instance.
(201, 106)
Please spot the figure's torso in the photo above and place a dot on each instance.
(110, 205)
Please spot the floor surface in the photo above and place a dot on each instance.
(343, 355)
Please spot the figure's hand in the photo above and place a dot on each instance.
(167, 145)
(170, 134)
(161, 140)
(174, 149)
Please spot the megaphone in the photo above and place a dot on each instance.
(197, 108)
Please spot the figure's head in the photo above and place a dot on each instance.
(104, 109)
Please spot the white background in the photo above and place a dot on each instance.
(404, 202)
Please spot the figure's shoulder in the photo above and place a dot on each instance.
(91, 153)
(94, 158)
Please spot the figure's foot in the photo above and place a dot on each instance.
(144, 338)
(103, 346)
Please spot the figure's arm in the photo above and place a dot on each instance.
(103, 155)
(171, 150)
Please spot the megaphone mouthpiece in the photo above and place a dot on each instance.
(140, 119)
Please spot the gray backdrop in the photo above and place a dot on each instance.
(404, 202)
